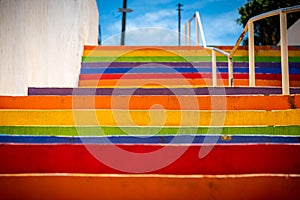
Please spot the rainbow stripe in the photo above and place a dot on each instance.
(156, 101)
(114, 67)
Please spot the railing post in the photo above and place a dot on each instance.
(214, 68)
(197, 33)
(284, 54)
(189, 34)
(251, 54)
(230, 72)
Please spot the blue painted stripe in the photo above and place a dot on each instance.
(179, 139)
(137, 70)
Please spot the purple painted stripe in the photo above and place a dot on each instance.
(159, 91)
(183, 64)
(145, 64)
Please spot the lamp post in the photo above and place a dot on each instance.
(124, 10)
(179, 21)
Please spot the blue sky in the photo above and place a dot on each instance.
(154, 22)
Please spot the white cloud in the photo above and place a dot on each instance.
(154, 17)
(146, 36)
(199, 4)
(163, 18)
(219, 29)
(139, 3)
(222, 29)
(160, 23)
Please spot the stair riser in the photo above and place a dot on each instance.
(178, 83)
(146, 102)
(148, 118)
(84, 186)
(106, 76)
(159, 91)
(222, 159)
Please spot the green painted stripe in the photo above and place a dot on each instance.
(183, 59)
(94, 131)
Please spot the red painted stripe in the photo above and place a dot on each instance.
(120, 48)
(223, 159)
(294, 77)
(143, 76)
(185, 75)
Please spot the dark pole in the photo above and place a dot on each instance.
(99, 35)
(123, 23)
(179, 22)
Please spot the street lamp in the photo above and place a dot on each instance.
(179, 9)
(124, 10)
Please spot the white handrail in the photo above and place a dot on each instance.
(199, 25)
(283, 45)
(187, 34)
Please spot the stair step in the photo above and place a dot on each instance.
(161, 91)
(137, 131)
(177, 83)
(144, 139)
(143, 70)
(185, 64)
(179, 75)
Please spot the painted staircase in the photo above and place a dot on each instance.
(145, 122)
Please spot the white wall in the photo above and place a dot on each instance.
(41, 42)
(294, 34)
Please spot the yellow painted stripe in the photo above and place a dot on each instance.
(133, 53)
(148, 118)
(142, 53)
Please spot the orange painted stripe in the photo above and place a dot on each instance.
(178, 52)
(145, 52)
(111, 186)
(188, 50)
(225, 48)
(145, 82)
(276, 102)
(177, 83)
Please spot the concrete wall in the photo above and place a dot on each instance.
(41, 42)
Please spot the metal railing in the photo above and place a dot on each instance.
(250, 28)
(187, 34)
(283, 45)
